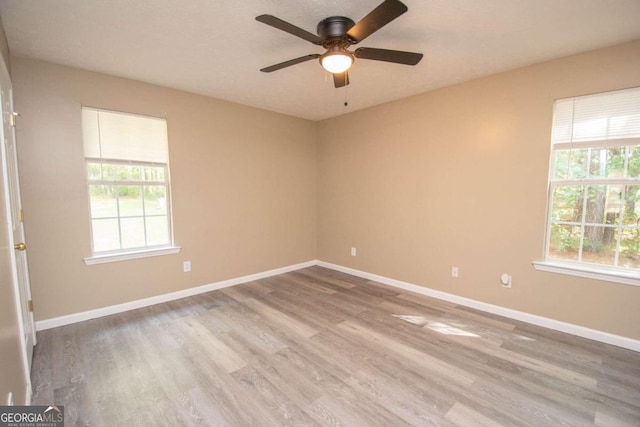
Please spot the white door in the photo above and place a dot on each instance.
(15, 217)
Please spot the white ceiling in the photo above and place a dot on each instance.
(216, 48)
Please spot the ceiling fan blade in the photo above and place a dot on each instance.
(386, 12)
(396, 56)
(290, 63)
(289, 28)
(341, 79)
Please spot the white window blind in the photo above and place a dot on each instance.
(608, 116)
(120, 136)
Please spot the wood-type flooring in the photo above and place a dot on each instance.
(319, 347)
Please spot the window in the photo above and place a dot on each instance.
(594, 183)
(127, 164)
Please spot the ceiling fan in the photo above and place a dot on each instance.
(337, 33)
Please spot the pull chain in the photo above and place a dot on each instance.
(346, 100)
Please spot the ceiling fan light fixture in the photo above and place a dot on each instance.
(336, 61)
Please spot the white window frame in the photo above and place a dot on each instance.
(580, 268)
(100, 257)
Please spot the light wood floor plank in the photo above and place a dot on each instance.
(464, 416)
(430, 364)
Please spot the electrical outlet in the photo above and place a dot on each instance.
(505, 279)
(353, 251)
(454, 272)
(186, 266)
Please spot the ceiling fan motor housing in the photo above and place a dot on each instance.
(333, 30)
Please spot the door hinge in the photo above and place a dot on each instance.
(31, 305)
(12, 119)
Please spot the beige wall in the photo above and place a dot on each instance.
(458, 177)
(243, 186)
(12, 373)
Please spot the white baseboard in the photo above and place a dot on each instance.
(557, 325)
(546, 322)
(55, 322)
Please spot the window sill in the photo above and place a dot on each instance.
(589, 272)
(124, 256)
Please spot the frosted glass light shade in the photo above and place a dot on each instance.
(336, 62)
